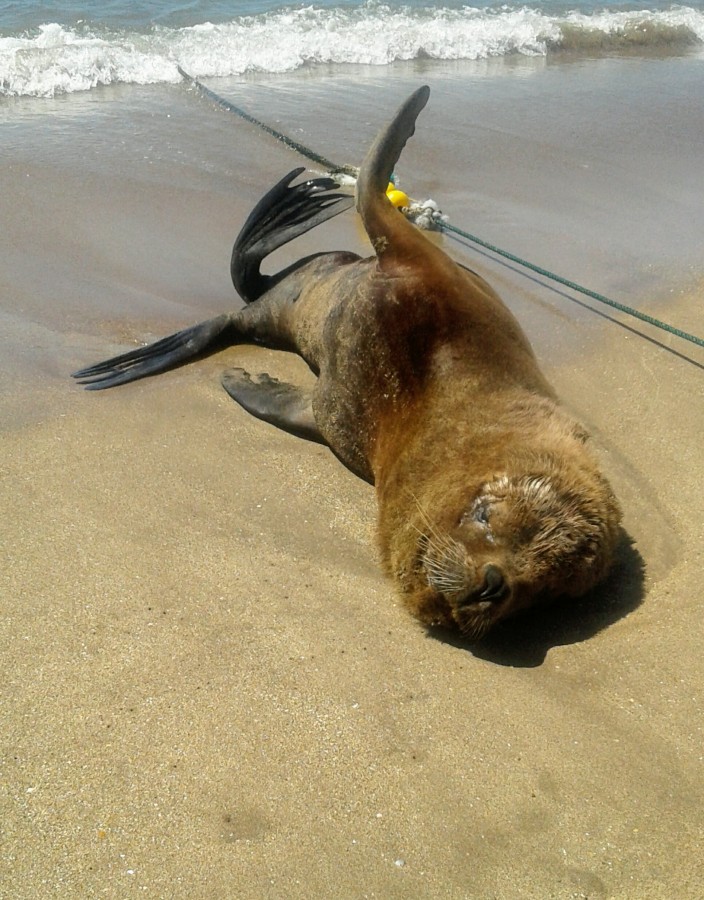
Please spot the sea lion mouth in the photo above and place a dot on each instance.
(478, 606)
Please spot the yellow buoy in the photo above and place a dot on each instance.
(398, 198)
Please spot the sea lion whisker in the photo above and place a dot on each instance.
(449, 551)
(476, 628)
(424, 515)
(446, 571)
(440, 546)
(442, 539)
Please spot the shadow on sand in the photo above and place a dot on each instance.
(524, 641)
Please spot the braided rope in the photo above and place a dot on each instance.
(629, 310)
(280, 136)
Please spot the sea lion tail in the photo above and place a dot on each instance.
(391, 234)
(165, 354)
(281, 215)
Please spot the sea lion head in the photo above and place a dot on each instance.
(519, 539)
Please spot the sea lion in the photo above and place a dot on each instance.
(489, 499)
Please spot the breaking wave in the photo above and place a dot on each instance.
(54, 58)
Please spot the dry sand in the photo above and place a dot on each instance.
(209, 690)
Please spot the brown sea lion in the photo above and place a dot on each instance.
(489, 499)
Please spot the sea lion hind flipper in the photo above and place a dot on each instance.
(281, 404)
(284, 213)
(159, 356)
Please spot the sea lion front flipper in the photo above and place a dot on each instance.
(277, 402)
(159, 356)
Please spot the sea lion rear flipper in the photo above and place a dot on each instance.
(277, 402)
(159, 356)
(281, 215)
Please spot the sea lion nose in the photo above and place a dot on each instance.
(494, 587)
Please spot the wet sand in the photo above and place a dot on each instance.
(208, 689)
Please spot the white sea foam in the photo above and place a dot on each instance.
(58, 60)
(55, 59)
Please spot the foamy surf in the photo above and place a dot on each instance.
(55, 59)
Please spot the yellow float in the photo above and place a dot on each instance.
(397, 198)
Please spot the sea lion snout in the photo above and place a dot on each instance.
(491, 590)
(494, 588)
(475, 593)
(486, 603)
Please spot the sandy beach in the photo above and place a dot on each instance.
(208, 688)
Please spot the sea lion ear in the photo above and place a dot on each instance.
(584, 543)
(590, 558)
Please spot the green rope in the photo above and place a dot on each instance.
(351, 170)
(284, 138)
(644, 317)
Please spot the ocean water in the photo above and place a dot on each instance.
(52, 48)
